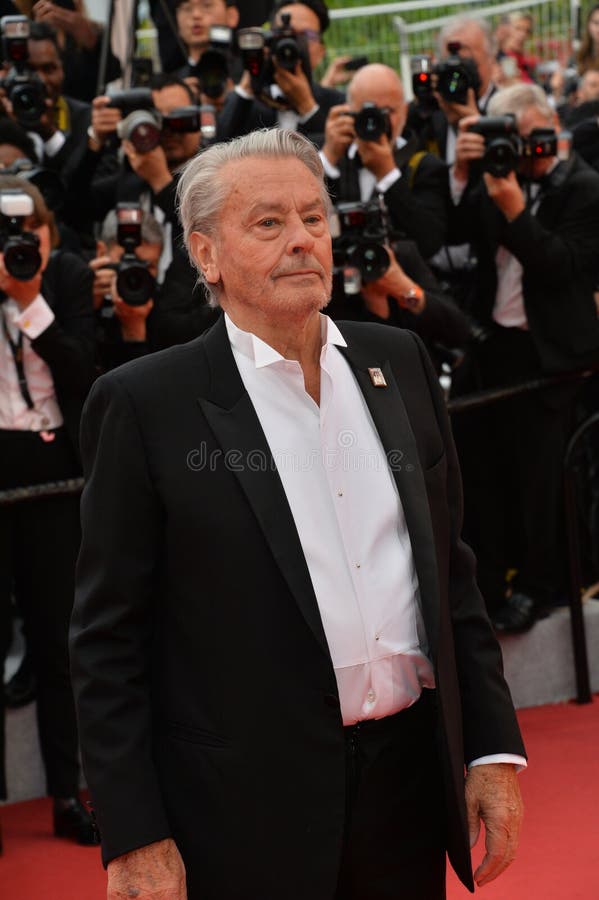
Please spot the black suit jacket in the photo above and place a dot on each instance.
(557, 249)
(240, 115)
(417, 202)
(207, 700)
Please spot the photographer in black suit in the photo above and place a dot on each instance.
(379, 158)
(535, 236)
(46, 368)
(295, 99)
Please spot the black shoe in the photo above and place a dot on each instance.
(72, 820)
(20, 689)
(518, 613)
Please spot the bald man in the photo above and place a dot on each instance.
(412, 183)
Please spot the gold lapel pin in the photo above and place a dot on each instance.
(377, 377)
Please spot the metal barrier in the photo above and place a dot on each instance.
(483, 398)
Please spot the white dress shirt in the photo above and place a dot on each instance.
(15, 415)
(368, 182)
(350, 523)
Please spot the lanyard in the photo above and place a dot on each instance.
(17, 355)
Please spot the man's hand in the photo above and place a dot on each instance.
(469, 146)
(84, 31)
(393, 283)
(132, 319)
(493, 795)
(336, 72)
(455, 112)
(154, 872)
(338, 133)
(377, 156)
(104, 118)
(152, 166)
(104, 279)
(296, 88)
(506, 194)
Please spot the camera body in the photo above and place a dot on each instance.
(24, 88)
(283, 43)
(20, 248)
(360, 232)
(213, 68)
(422, 69)
(456, 75)
(371, 122)
(502, 144)
(142, 124)
(134, 282)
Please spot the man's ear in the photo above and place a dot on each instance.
(232, 17)
(101, 248)
(203, 250)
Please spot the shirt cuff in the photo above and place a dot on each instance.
(387, 180)
(456, 187)
(35, 318)
(55, 144)
(303, 119)
(330, 170)
(245, 95)
(519, 761)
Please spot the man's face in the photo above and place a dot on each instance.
(474, 46)
(146, 252)
(527, 119)
(589, 87)
(521, 30)
(45, 60)
(306, 22)
(196, 17)
(385, 92)
(178, 148)
(272, 250)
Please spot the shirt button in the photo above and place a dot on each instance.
(45, 421)
(357, 565)
(376, 637)
(340, 493)
(371, 696)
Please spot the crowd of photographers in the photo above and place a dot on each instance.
(464, 215)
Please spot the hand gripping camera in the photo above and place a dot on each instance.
(371, 122)
(259, 46)
(456, 75)
(504, 148)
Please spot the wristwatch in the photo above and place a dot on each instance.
(94, 140)
(414, 297)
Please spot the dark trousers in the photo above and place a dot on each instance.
(394, 847)
(511, 455)
(39, 541)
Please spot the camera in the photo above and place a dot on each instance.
(134, 282)
(422, 69)
(283, 44)
(142, 124)
(20, 248)
(212, 70)
(502, 144)
(540, 143)
(456, 75)
(360, 232)
(49, 183)
(24, 88)
(371, 122)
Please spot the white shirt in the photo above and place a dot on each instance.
(368, 182)
(350, 523)
(14, 412)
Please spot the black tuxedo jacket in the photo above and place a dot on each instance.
(417, 202)
(557, 248)
(207, 700)
(240, 115)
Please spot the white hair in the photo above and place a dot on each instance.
(202, 191)
(518, 97)
(457, 23)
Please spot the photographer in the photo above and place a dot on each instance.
(46, 369)
(293, 100)
(366, 151)
(121, 325)
(534, 231)
(195, 19)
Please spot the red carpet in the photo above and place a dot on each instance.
(558, 858)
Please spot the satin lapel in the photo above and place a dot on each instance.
(393, 425)
(233, 420)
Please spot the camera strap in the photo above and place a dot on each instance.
(17, 354)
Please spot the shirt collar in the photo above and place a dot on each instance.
(262, 354)
(399, 143)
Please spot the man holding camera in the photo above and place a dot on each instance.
(292, 99)
(195, 21)
(365, 152)
(535, 235)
